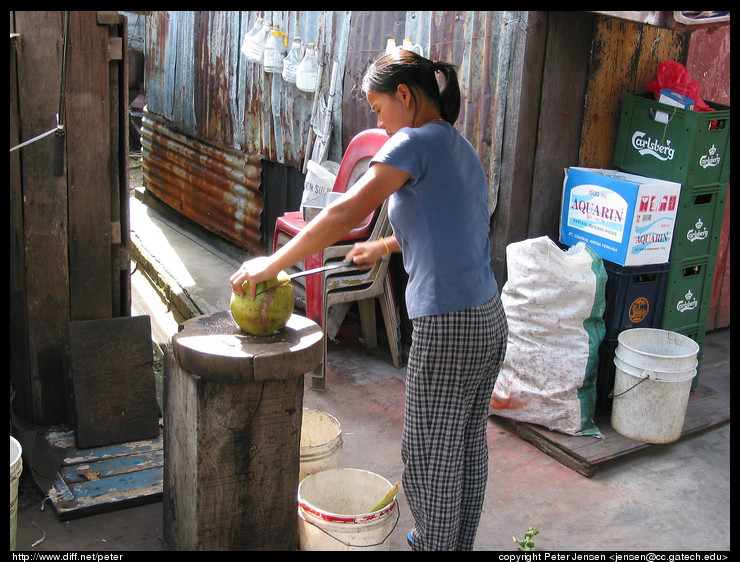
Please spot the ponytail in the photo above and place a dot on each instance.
(420, 75)
(449, 93)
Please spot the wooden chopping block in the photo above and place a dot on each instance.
(111, 392)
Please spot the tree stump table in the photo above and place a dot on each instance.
(233, 406)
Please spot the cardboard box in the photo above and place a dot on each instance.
(672, 98)
(627, 219)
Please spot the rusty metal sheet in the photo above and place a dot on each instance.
(215, 186)
(367, 39)
(478, 43)
(198, 79)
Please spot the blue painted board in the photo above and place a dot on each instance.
(106, 478)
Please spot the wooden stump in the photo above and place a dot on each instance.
(232, 425)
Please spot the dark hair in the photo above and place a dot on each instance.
(420, 75)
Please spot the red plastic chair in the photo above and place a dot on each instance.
(356, 158)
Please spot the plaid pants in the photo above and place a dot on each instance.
(453, 364)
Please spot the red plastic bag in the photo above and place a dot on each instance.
(675, 76)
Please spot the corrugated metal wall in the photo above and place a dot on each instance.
(198, 80)
(215, 186)
(479, 43)
(199, 84)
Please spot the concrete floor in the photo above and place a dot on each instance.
(672, 497)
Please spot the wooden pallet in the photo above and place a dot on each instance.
(706, 408)
(106, 478)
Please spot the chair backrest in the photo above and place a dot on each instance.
(369, 281)
(360, 150)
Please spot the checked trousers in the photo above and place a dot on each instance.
(452, 368)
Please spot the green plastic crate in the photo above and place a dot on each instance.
(692, 148)
(699, 222)
(688, 292)
(696, 332)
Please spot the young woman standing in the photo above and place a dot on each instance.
(438, 209)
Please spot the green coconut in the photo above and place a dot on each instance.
(270, 310)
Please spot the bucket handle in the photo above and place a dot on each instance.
(612, 395)
(395, 524)
(649, 375)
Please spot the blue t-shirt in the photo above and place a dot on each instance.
(440, 219)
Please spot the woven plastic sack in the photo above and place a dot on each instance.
(554, 302)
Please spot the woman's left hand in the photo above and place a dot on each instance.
(365, 254)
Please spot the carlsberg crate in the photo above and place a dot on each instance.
(699, 222)
(672, 143)
(688, 293)
(626, 219)
(698, 333)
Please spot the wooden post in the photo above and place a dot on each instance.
(232, 422)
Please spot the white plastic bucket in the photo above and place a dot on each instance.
(16, 466)
(333, 508)
(652, 383)
(321, 442)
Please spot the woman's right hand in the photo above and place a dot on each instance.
(254, 271)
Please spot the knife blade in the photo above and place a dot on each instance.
(349, 265)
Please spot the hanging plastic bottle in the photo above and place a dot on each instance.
(249, 37)
(307, 71)
(291, 62)
(409, 46)
(390, 45)
(256, 49)
(275, 50)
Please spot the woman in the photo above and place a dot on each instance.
(439, 213)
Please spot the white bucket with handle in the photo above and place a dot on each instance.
(652, 384)
(16, 466)
(321, 442)
(335, 511)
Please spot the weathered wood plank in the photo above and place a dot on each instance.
(625, 57)
(89, 167)
(44, 202)
(20, 381)
(62, 261)
(111, 467)
(509, 222)
(561, 115)
(111, 378)
(107, 494)
(584, 454)
(118, 487)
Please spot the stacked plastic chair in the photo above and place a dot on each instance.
(362, 285)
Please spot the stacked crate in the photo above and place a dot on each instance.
(691, 148)
(628, 220)
(634, 299)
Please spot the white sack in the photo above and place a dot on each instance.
(554, 302)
